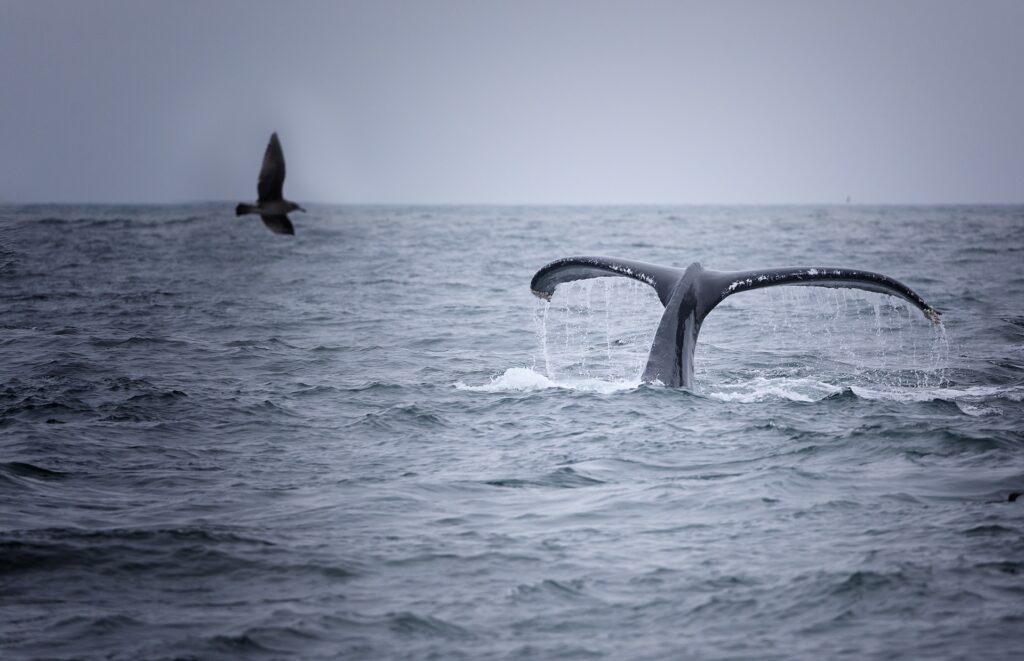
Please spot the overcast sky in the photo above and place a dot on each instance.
(514, 102)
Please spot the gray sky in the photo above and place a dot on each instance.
(514, 102)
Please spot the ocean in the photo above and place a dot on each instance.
(371, 441)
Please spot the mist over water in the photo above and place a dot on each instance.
(371, 441)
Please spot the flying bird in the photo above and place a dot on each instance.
(271, 205)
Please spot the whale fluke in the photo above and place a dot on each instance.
(271, 205)
(690, 294)
(662, 278)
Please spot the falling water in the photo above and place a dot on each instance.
(603, 329)
(597, 329)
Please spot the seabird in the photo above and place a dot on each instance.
(271, 205)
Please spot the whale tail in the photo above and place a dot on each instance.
(243, 209)
(690, 294)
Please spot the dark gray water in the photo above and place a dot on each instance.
(371, 441)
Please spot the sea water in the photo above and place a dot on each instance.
(370, 441)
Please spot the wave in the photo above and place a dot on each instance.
(18, 471)
(135, 341)
(292, 634)
(164, 552)
(264, 344)
(524, 379)
(975, 401)
(398, 417)
(973, 394)
(972, 400)
(562, 478)
(548, 589)
(762, 389)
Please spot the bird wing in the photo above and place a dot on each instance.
(278, 224)
(271, 182)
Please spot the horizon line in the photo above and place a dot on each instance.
(230, 202)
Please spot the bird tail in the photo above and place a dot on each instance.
(243, 209)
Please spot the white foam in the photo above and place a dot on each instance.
(973, 401)
(978, 410)
(762, 389)
(972, 395)
(520, 379)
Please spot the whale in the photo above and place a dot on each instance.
(690, 294)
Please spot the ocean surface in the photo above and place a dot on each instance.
(371, 441)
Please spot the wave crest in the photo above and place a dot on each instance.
(524, 379)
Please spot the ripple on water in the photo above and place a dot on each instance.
(561, 478)
(219, 444)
